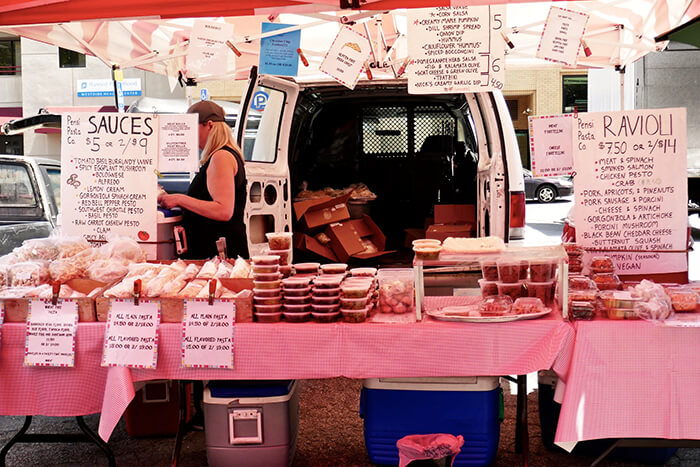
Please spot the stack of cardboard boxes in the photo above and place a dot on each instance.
(450, 220)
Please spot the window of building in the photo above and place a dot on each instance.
(574, 93)
(12, 145)
(9, 57)
(70, 59)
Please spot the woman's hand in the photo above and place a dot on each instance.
(169, 201)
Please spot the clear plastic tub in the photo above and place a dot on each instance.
(297, 300)
(265, 317)
(268, 300)
(496, 305)
(328, 282)
(296, 282)
(326, 317)
(527, 305)
(353, 303)
(316, 292)
(306, 268)
(355, 316)
(618, 299)
(575, 265)
(270, 276)
(581, 283)
(268, 308)
(266, 259)
(426, 242)
(334, 268)
(363, 272)
(581, 310)
(297, 308)
(524, 269)
(542, 290)
(573, 249)
(265, 268)
(267, 284)
(279, 240)
(297, 317)
(542, 270)
(427, 252)
(607, 281)
(488, 288)
(286, 270)
(622, 313)
(683, 299)
(602, 264)
(266, 292)
(513, 290)
(325, 308)
(583, 295)
(295, 292)
(396, 290)
(355, 290)
(508, 270)
(331, 300)
(285, 255)
(489, 270)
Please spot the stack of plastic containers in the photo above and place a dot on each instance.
(325, 293)
(356, 295)
(511, 277)
(280, 244)
(267, 291)
(541, 283)
(306, 269)
(297, 298)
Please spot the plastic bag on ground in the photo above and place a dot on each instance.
(432, 446)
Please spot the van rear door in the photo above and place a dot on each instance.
(262, 131)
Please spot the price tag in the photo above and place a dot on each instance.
(131, 338)
(51, 331)
(207, 334)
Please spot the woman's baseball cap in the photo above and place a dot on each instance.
(208, 110)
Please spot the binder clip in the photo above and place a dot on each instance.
(55, 289)
(507, 40)
(368, 71)
(403, 66)
(586, 49)
(302, 57)
(212, 290)
(137, 291)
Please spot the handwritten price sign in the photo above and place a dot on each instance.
(207, 334)
(131, 338)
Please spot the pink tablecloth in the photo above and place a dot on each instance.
(631, 379)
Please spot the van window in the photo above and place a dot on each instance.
(265, 121)
(54, 176)
(16, 187)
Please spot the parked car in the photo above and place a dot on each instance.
(30, 199)
(546, 190)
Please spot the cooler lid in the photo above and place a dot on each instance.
(239, 389)
(456, 383)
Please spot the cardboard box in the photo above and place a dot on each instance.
(455, 214)
(306, 242)
(442, 231)
(314, 213)
(346, 238)
(413, 234)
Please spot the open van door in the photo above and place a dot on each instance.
(262, 132)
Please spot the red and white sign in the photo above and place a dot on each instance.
(131, 337)
(207, 334)
(51, 333)
(561, 36)
(551, 145)
(346, 57)
(207, 53)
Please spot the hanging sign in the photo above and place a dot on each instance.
(551, 145)
(630, 180)
(131, 337)
(346, 57)
(50, 339)
(177, 143)
(2, 318)
(561, 36)
(278, 54)
(456, 50)
(207, 53)
(207, 334)
(108, 179)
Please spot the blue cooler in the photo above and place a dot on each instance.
(469, 406)
(251, 423)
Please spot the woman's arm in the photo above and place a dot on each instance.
(221, 185)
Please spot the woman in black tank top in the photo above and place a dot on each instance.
(215, 201)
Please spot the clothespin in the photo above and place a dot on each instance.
(55, 289)
(137, 291)
(507, 40)
(272, 17)
(212, 290)
(576, 111)
(221, 247)
(368, 71)
(302, 57)
(403, 66)
(586, 49)
(233, 48)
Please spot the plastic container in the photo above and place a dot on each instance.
(325, 317)
(272, 308)
(622, 313)
(265, 268)
(286, 270)
(318, 308)
(297, 317)
(607, 281)
(542, 290)
(618, 299)
(279, 240)
(421, 242)
(582, 310)
(427, 252)
(588, 295)
(267, 300)
(295, 282)
(496, 305)
(573, 249)
(320, 292)
(267, 317)
(527, 305)
(296, 292)
(266, 284)
(575, 265)
(488, 288)
(296, 300)
(330, 300)
(353, 303)
(285, 255)
(602, 264)
(683, 299)
(267, 292)
(581, 283)
(513, 290)
(508, 271)
(328, 282)
(271, 276)
(306, 268)
(266, 259)
(542, 270)
(355, 316)
(489, 270)
(396, 290)
(363, 272)
(334, 268)
(305, 307)
(524, 269)
(355, 290)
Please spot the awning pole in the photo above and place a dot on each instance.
(621, 71)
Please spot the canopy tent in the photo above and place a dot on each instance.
(687, 32)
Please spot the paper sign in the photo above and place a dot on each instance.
(108, 179)
(455, 50)
(561, 36)
(207, 334)
(630, 172)
(643, 262)
(207, 52)
(278, 54)
(131, 338)
(2, 318)
(177, 143)
(346, 57)
(551, 145)
(51, 330)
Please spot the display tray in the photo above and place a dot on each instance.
(459, 314)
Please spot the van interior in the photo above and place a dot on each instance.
(412, 151)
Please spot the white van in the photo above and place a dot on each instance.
(412, 151)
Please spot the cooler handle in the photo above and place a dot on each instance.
(236, 415)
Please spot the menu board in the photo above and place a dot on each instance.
(561, 36)
(630, 182)
(551, 145)
(131, 337)
(278, 54)
(457, 49)
(177, 143)
(51, 328)
(207, 334)
(108, 175)
(346, 57)
(207, 53)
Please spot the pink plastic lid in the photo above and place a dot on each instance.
(265, 259)
(266, 292)
(325, 308)
(363, 272)
(349, 311)
(296, 282)
(328, 282)
(297, 308)
(268, 308)
(266, 284)
(306, 267)
(319, 292)
(267, 276)
(353, 301)
(334, 268)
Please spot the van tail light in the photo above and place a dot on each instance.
(517, 214)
